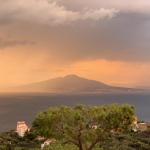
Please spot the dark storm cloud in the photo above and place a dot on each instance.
(49, 12)
(140, 6)
(125, 37)
(95, 30)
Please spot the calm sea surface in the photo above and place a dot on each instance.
(15, 107)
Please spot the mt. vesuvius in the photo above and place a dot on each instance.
(70, 83)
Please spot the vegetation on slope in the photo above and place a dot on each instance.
(81, 128)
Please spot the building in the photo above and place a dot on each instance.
(47, 143)
(21, 128)
(40, 138)
(142, 126)
(135, 124)
(139, 126)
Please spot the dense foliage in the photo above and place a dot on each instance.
(83, 126)
(130, 141)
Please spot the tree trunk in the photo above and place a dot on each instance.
(93, 144)
(80, 145)
(79, 140)
(80, 148)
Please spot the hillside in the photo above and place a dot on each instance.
(70, 83)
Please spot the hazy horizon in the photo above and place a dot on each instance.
(107, 41)
(72, 84)
(63, 76)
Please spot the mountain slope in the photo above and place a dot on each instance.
(70, 83)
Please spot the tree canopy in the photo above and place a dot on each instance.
(83, 126)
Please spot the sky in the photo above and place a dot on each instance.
(102, 40)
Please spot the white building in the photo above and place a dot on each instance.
(142, 126)
(47, 143)
(135, 124)
(21, 128)
(139, 126)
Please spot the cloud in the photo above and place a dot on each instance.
(125, 37)
(138, 6)
(104, 40)
(98, 14)
(81, 33)
(4, 43)
(48, 12)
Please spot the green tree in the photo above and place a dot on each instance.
(83, 126)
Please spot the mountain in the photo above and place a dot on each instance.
(70, 83)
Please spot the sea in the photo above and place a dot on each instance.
(25, 106)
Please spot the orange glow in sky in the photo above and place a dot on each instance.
(19, 68)
(101, 40)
